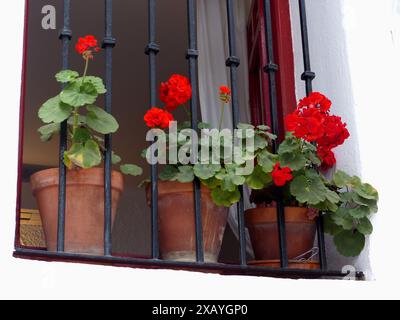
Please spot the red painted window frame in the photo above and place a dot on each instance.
(283, 46)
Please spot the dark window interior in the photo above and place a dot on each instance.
(131, 232)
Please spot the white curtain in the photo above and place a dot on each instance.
(213, 52)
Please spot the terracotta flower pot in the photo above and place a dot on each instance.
(263, 228)
(306, 265)
(177, 222)
(84, 213)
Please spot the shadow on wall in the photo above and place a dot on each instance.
(330, 62)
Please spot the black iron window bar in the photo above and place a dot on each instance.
(232, 62)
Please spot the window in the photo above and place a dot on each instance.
(132, 239)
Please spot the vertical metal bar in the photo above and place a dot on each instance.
(151, 50)
(271, 68)
(308, 76)
(65, 36)
(192, 55)
(321, 242)
(108, 44)
(233, 63)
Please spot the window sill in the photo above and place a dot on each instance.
(222, 269)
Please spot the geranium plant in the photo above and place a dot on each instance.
(87, 123)
(297, 175)
(221, 176)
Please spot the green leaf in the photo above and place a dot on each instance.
(101, 121)
(185, 174)
(289, 146)
(115, 158)
(211, 183)
(54, 110)
(81, 135)
(86, 155)
(346, 196)
(169, 173)
(260, 143)
(78, 95)
(295, 161)
(367, 191)
(144, 152)
(184, 125)
(332, 196)
(203, 125)
(310, 152)
(371, 204)
(81, 120)
(326, 206)
(267, 134)
(131, 169)
(266, 160)
(365, 226)
(67, 76)
(245, 126)
(263, 128)
(349, 243)
(355, 182)
(206, 171)
(225, 198)
(67, 161)
(359, 212)
(258, 179)
(341, 179)
(330, 226)
(96, 82)
(47, 131)
(343, 218)
(308, 190)
(230, 181)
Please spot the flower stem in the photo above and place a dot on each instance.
(76, 121)
(75, 112)
(222, 116)
(86, 69)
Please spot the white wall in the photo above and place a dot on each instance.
(346, 67)
(355, 53)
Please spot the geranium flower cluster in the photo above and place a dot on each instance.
(174, 93)
(313, 122)
(158, 118)
(281, 175)
(86, 46)
(225, 94)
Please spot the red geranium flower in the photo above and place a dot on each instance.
(281, 175)
(313, 122)
(327, 157)
(306, 124)
(316, 99)
(86, 46)
(335, 132)
(225, 94)
(175, 92)
(158, 118)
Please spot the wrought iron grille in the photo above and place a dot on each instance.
(233, 63)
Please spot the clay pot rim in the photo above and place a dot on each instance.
(270, 263)
(268, 215)
(168, 187)
(53, 180)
